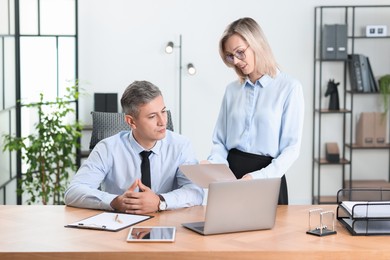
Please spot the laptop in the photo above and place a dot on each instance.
(240, 205)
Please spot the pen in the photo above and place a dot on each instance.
(117, 219)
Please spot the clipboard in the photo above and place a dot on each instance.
(109, 221)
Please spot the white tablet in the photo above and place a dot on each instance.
(151, 234)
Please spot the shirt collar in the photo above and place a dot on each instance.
(262, 82)
(138, 148)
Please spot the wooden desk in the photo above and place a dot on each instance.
(38, 232)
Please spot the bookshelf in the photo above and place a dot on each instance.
(340, 125)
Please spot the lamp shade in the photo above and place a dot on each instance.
(169, 47)
(191, 69)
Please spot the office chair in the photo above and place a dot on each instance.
(106, 124)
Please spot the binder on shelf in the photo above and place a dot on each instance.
(334, 42)
(380, 129)
(371, 129)
(329, 42)
(341, 41)
(373, 82)
(364, 211)
(365, 132)
(360, 74)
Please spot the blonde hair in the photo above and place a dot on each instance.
(251, 32)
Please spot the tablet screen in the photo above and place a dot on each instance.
(151, 234)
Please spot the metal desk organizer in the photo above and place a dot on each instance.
(364, 212)
(324, 224)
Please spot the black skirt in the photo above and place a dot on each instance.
(242, 163)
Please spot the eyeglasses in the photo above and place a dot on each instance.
(239, 54)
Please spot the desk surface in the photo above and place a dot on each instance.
(38, 232)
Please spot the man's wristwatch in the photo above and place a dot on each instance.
(163, 204)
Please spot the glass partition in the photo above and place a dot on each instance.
(58, 17)
(7, 99)
(9, 77)
(38, 54)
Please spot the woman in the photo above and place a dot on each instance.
(259, 127)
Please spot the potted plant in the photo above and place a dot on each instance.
(50, 152)
(384, 90)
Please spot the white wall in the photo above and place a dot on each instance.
(121, 41)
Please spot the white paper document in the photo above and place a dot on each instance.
(367, 209)
(109, 221)
(203, 174)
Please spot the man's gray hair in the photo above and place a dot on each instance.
(137, 94)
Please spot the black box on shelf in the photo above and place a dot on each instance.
(106, 102)
(332, 153)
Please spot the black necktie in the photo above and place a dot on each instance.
(145, 168)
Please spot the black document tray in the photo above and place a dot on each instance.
(364, 212)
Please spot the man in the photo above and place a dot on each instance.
(110, 179)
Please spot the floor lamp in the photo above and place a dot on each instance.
(191, 70)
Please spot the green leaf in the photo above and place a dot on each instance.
(49, 153)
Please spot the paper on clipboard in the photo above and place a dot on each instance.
(203, 174)
(109, 221)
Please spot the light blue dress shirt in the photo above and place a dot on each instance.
(264, 118)
(115, 163)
